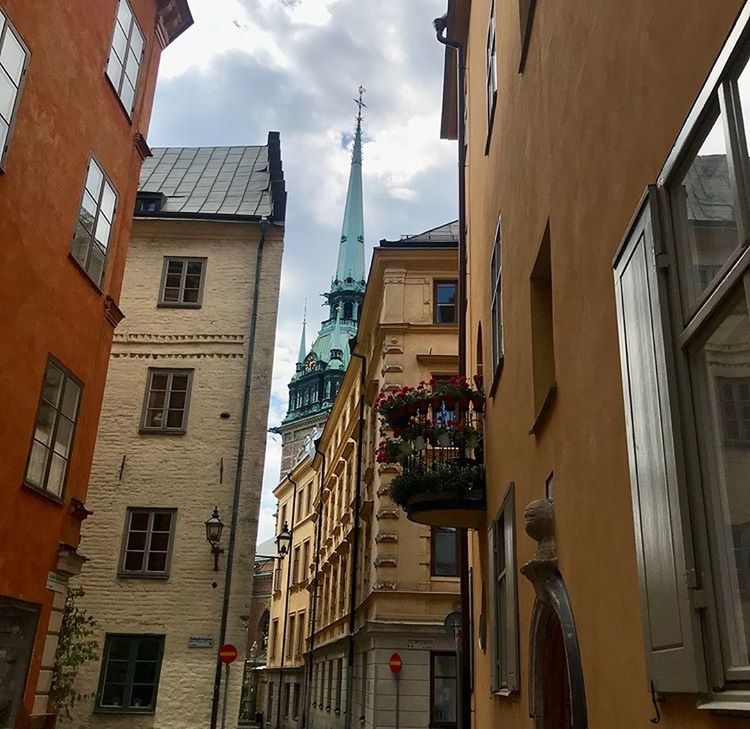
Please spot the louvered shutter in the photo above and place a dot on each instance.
(670, 624)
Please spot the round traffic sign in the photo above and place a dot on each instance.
(227, 653)
(395, 663)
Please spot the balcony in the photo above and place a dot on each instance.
(437, 445)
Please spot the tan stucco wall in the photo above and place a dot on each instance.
(182, 471)
(576, 139)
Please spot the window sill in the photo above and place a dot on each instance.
(57, 500)
(544, 410)
(444, 578)
(504, 693)
(154, 431)
(736, 703)
(141, 576)
(86, 274)
(124, 712)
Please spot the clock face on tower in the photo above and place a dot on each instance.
(310, 361)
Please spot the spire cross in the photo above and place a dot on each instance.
(360, 104)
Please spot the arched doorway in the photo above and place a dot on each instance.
(556, 710)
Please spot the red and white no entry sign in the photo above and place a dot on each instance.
(395, 663)
(227, 653)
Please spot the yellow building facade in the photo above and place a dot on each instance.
(375, 587)
(605, 254)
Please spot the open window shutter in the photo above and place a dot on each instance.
(671, 629)
(511, 627)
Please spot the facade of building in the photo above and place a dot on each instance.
(379, 584)
(76, 91)
(187, 393)
(606, 284)
(321, 367)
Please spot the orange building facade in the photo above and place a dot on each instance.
(76, 93)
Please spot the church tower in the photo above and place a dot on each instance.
(321, 368)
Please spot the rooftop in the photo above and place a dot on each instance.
(228, 182)
(443, 236)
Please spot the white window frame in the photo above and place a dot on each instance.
(118, 70)
(15, 79)
(496, 297)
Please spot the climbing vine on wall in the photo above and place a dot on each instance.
(75, 647)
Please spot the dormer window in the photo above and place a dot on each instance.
(149, 202)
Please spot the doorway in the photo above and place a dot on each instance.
(555, 689)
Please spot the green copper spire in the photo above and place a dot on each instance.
(303, 338)
(351, 262)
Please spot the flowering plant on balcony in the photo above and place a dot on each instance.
(398, 406)
(457, 391)
(448, 477)
(462, 434)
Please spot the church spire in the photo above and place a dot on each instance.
(351, 261)
(302, 343)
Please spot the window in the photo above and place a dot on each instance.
(295, 565)
(126, 54)
(295, 700)
(496, 297)
(274, 636)
(182, 282)
(130, 674)
(443, 690)
(322, 683)
(290, 636)
(167, 396)
(13, 59)
(329, 694)
(18, 624)
(301, 634)
(148, 542)
(491, 75)
(269, 707)
(686, 262)
(287, 701)
(542, 332)
(363, 687)
(503, 607)
(445, 302)
(339, 680)
(305, 557)
(526, 17)
(94, 226)
(444, 552)
(54, 430)
(277, 579)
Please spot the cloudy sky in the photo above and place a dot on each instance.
(293, 66)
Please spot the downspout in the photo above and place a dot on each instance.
(441, 30)
(264, 225)
(355, 536)
(314, 600)
(286, 600)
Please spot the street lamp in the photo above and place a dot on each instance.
(283, 540)
(214, 528)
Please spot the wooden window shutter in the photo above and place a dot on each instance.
(671, 628)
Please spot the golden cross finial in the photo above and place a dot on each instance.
(360, 104)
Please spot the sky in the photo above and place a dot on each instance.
(248, 67)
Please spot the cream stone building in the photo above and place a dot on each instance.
(379, 584)
(186, 399)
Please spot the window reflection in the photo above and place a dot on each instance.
(704, 209)
(726, 362)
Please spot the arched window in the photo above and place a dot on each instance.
(348, 310)
(263, 626)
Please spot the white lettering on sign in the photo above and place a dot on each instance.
(200, 641)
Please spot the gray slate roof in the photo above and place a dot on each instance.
(210, 180)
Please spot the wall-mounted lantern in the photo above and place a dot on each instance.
(214, 529)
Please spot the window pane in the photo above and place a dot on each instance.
(139, 521)
(119, 648)
(124, 15)
(175, 267)
(445, 552)
(95, 266)
(113, 695)
(94, 180)
(154, 418)
(12, 57)
(190, 296)
(79, 248)
(162, 522)
(177, 400)
(159, 541)
(174, 280)
(45, 423)
(174, 419)
(179, 382)
(127, 94)
(136, 541)
(63, 437)
(137, 42)
(3, 135)
(102, 231)
(195, 268)
(37, 464)
(131, 68)
(444, 700)
(117, 671)
(142, 696)
(171, 294)
(703, 205)
(119, 43)
(56, 475)
(446, 293)
(134, 561)
(87, 215)
(157, 562)
(70, 399)
(108, 201)
(159, 381)
(145, 672)
(725, 361)
(148, 649)
(445, 666)
(7, 95)
(114, 69)
(53, 379)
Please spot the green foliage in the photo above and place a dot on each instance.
(440, 477)
(74, 648)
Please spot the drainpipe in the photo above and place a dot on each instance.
(355, 536)
(441, 30)
(314, 598)
(264, 225)
(286, 600)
